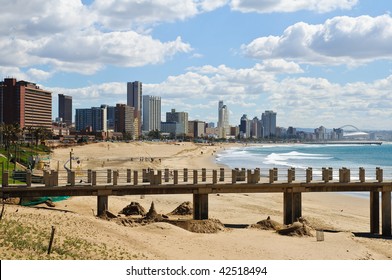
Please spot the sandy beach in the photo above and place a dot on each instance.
(343, 218)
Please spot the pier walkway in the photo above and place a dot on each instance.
(201, 183)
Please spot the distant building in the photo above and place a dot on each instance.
(95, 117)
(174, 128)
(134, 99)
(268, 119)
(178, 117)
(65, 109)
(25, 103)
(111, 118)
(124, 120)
(223, 119)
(151, 113)
(244, 127)
(196, 129)
(256, 128)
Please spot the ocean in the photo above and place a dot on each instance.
(302, 156)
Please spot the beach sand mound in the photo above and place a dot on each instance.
(185, 208)
(200, 226)
(268, 224)
(133, 209)
(296, 229)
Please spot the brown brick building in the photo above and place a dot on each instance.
(25, 103)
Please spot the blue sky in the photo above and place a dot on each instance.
(314, 62)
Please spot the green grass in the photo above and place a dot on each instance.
(20, 240)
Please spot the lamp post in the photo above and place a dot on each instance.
(70, 159)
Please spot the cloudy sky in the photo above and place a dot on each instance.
(314, 62)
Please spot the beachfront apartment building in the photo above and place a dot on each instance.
(178, 117)
(134, 99)
(268, 119)
(223, 120)
(124, 120)
(151, 113)
(25, 103)
(65, 109)
(94, 118)
(196, 129)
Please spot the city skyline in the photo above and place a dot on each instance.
(316, 63)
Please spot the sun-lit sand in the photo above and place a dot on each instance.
(341, 216)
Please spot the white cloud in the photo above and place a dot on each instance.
(269, 6)
(123, 14)
(63, 35)
(340, 40)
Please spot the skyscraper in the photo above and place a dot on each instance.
(25, 103)
(269, 124)
(180, 118)
(151, 113)
(244, 126)
(95, 117)
(65, 108)
(134, 99)
(124, 119)
(223, 119)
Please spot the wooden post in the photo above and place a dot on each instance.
(287, 207)
(330, 173)
(257, 175)
(362, 174)
(233, 176)
(72, 177)
(347, 176)
(159, 178)
(375, 212)
(195, 177)
(51, 240)
(28, 178)
(200, 206)
(271, 176)
(221, 174)
(290, 175)
(249, 177)
(55, 178)
(46, 178)
(325, 174)
(94, 178)
(214, 176)
(275, 174)
(297, 205)
(129, 175)
(109, 176)
(185, 174)
(175, 175)
(379, 174)
(115, 177)
(135, 178)
(309, 175)
(102, 204)
(203, 174)
(89, 176)
(151, 177)
(386, 213)
(166, 175)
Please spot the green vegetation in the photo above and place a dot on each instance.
(28, 241)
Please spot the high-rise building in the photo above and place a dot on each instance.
(268, 119)
(65, 109)
(223, 119)
(134, 99)
(124, 119)
(111, 111)
(151, 113)
(25, 103)
(196, 129)
(244, 127)
(95, 117)
(178, 117)
(256, 128)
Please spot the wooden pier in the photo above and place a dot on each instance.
(201, 183)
